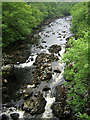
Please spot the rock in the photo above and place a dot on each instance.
(59, 33)
(7, 68)
(5, 81)
(59, 36)
(60, 107)
(60, 93)
(63, 31)
(64, 36)
(57, 109)
(4, 117)
(57, 71)
(53, 33)
(49, 25)
(42, 72)
(55, 49)
(35, 104)
(43, 41)
(46, 88)
(32, 59)
(7, 71)
(63, 112)
(14, 116)
(41, 47)
(45, 58)
(47, 31)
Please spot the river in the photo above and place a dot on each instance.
(52, 42)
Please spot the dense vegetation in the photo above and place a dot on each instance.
(20, 18)
(77, 64)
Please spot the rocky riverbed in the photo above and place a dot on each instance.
(35, 88)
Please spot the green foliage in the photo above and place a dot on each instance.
(80, 20)
(76, 71)
(77, 64)
(20, 18)
(83, 116)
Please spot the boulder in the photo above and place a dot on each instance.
(7, 71)
(42, 72)
(44, 41)
(61, 111)
(46, 88)
(4, 117)
(35, 104)
(14, 116)
(55, 49)
(61, 93)
(60, 107)
(45, 58)
(57, 71)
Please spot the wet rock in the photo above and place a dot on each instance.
(61, 108)
(59, 36)
(64, 36)
(55, 48)
(61, 93)
(32, 59)
(14, 116)
(53, 33)
(49, 25)
(63, 31)
(46, 88)
(7, 71)
(43, 72)
(7, 77)
(43, 41)
(47, 31)
(35, 104)
(7, 59)
(45, 58)
(57, 71)
(61, 111)
(41, 47)
(5, 81)
(4, 117)
(45, 45)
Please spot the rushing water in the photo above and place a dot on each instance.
(54, 33)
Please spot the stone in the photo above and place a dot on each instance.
(35, 104)
(7, 71)
(43, 41)
(55, 49)
(46, 88)
(60, 107)
(60, 93)
(4, 117)
(14, 116)
(45, 58)
(53, 33)
(57, 71)
(63, 31)
(32, 59)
